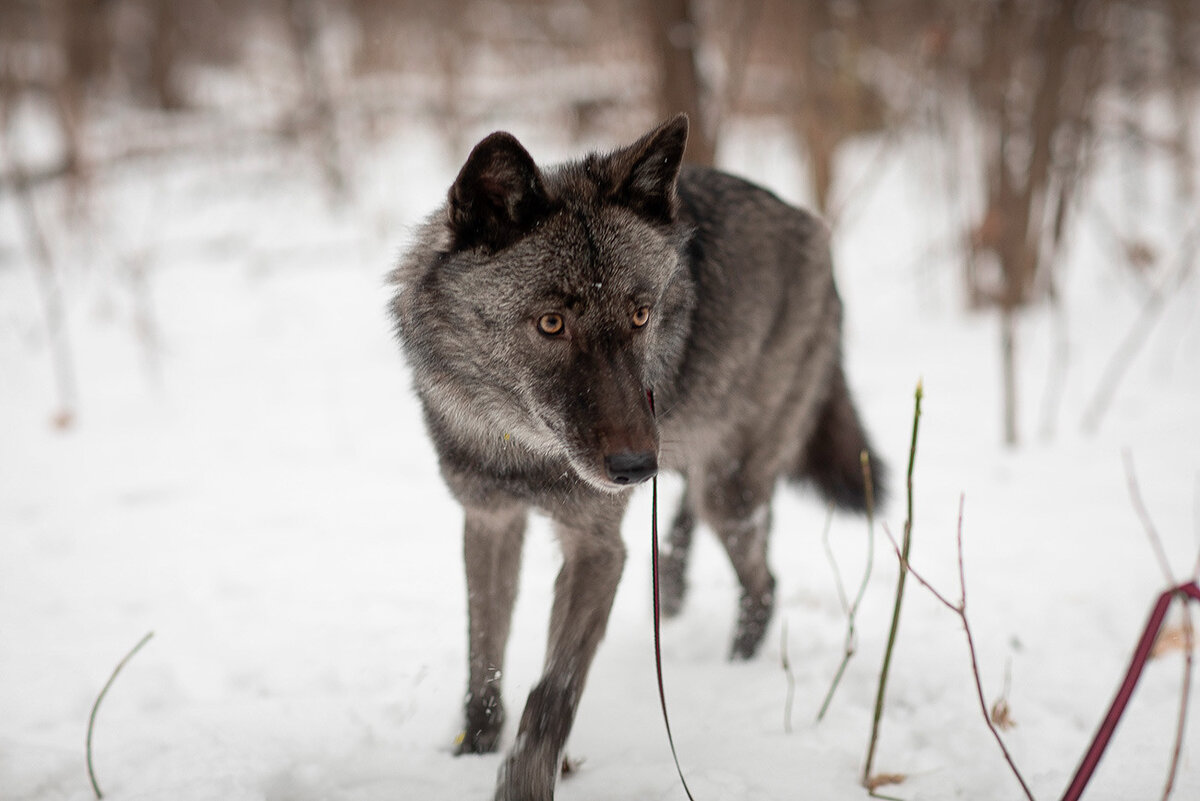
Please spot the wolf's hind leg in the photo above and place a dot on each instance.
(492, 550)
(583, 594)
(739, 511)
(673, 561)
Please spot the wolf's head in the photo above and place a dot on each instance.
(541, 306)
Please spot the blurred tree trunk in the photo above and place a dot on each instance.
(46, 273)
(1182, 79)
(449, 21)
(676, 42)
(303, 19)
(1034, 109)
(833, 101)
(79, 33)
(164, 50)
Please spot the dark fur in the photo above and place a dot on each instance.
(741, 350)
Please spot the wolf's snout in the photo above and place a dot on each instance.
(628, 467)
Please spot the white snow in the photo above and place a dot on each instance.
(249, 478)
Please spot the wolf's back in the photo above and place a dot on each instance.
(752, 254)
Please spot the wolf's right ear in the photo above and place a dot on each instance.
(497, 196)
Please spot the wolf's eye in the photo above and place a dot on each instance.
(641, 317)
(550, 324)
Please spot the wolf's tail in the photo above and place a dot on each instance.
(831, 460)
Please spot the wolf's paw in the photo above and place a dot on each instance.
(485, 720)
(754, 613)
(672, 584)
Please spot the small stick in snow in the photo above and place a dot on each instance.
(96, 707)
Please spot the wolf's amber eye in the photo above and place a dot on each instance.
(641, 317)
(550, 324)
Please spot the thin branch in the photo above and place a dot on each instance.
(891, 641)
(1189, 643)
(851, 609)
(1139, 506)
(1138, 333)
(960, 609)
(791, 681)
(837, 574)
(96, 708)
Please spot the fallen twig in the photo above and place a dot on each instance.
(96, 707)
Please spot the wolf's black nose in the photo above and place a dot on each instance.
(627, 467)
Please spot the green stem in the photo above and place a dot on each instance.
(96, 708)
(904, 551)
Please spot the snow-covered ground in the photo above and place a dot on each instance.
(249, 479)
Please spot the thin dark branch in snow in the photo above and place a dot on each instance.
(960, 609)
(851, 609)
(96, 708)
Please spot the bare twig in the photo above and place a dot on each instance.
(891, 642)
(1189, 643)
(96, 707)
(1139, 506)
(1139, 332)
(960, 609)
(851, 609)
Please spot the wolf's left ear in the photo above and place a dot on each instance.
(645, 172)
(498, 194)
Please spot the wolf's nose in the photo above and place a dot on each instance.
(628, 467)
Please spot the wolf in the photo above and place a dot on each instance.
(574, 329)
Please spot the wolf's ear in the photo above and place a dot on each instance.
(497, 196)
(645, 172)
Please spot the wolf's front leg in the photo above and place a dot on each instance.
(583, 597)
(492, 542)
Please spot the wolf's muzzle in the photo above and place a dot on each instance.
(628, 467)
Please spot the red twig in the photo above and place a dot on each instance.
(960, 609)
(1135, 494)
(1140, 656)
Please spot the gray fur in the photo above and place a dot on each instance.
(741, 350)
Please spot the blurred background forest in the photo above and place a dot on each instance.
(1026, 101)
